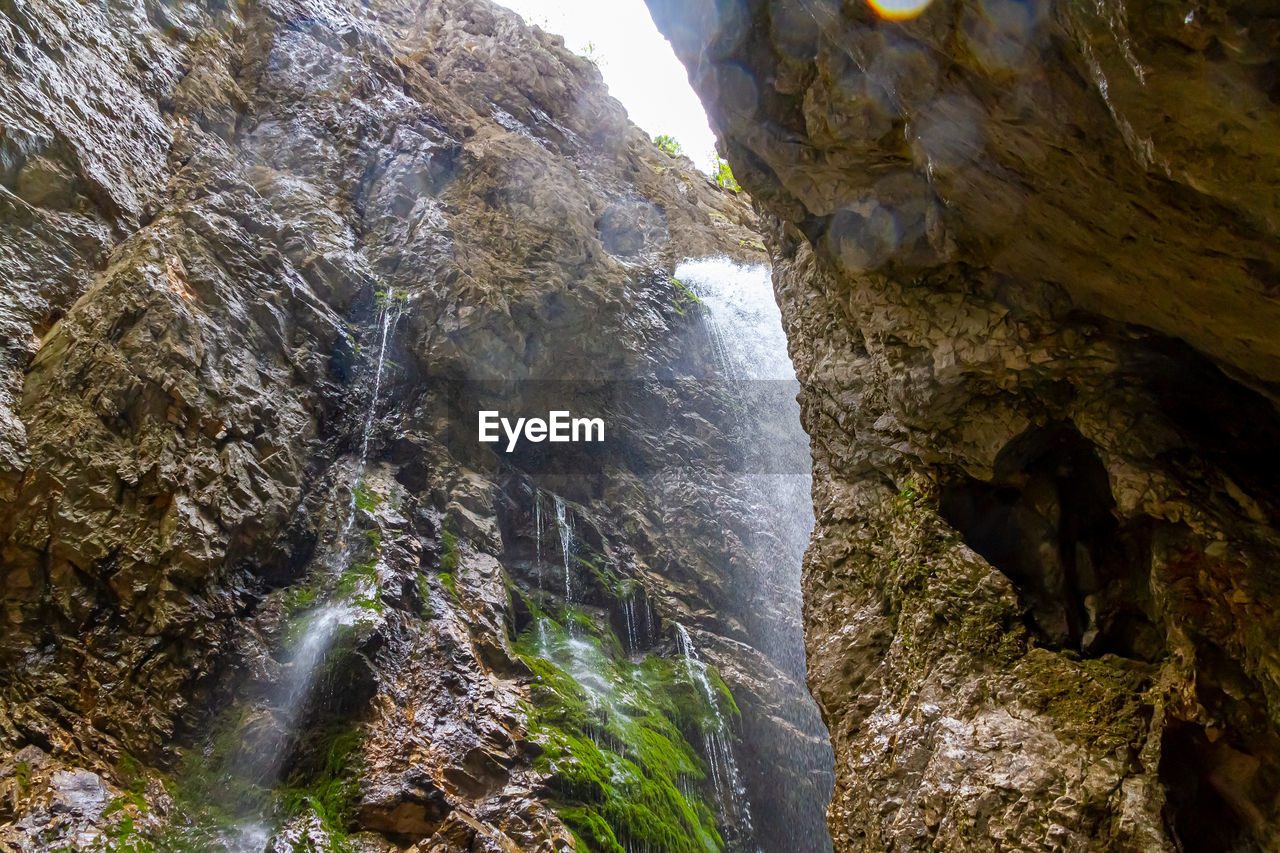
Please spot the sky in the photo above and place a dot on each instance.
(638, 65)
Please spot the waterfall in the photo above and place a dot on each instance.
(537, 538)
(744, 327)
(566, 545)
(388, 317)
(290, 697)
(748, 348)
(732, 805)
(628, 614)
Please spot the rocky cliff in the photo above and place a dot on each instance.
(263, 262)
(1026, 253)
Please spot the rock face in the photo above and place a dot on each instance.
(263, 264)
(1026, 255)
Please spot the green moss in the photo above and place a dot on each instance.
(299, 597)
(590, 831)
(359, 583)
(450, 583)
(577, 620)
(684, 297)
(623, 772)
(23, 774)
(133, 779)
(723, 695)
(1094, 702)
(124, 836)
(357, 576)
(387, 297)
(365, 500)
(327, 787)
(450, 555)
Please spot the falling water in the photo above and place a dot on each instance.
(749, 347)
(566, 545)
(388, 317)
(730, 791)
(628, 614)
(745, 328)
(537, 538)
(290, 696)
(537, 533)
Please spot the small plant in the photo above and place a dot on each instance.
(684, 297)
(724, 176)
(300, 597)
(450, 583)
(23, 775)
(669, 145)
(365, 500)
(450, 556)
(424, 597)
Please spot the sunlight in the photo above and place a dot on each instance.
(638, 65)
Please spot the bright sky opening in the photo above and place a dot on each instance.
(638, 65)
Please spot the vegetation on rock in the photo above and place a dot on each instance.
(615, 739)
(668, 144)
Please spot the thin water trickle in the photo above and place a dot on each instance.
(730, 791)
(565, 527)
(537, 526)
(628, 608)
(388, 318)
(290, 697)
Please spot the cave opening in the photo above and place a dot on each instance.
(1046, 519)
(1207, 783)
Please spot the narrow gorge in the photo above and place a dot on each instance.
(935, 500)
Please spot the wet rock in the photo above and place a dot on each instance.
(78, 794)
(1037, 346)
(263, 264)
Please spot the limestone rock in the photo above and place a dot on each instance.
(1025, 254)
(263, 262)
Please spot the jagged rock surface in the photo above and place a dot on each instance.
(203, 205)
(1026, 255)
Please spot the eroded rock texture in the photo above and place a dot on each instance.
(1026, 253)
(218, 221)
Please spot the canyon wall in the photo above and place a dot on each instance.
(1026, 255)
(263, 262)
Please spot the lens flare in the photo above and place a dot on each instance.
(898, 10)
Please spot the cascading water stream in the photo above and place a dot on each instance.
(745, 329)
(290, 697)
(746, 339)
(541, 623)
(565, 528)
(389, 317)
(581, 661)
(730, 791)
(748, 353)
